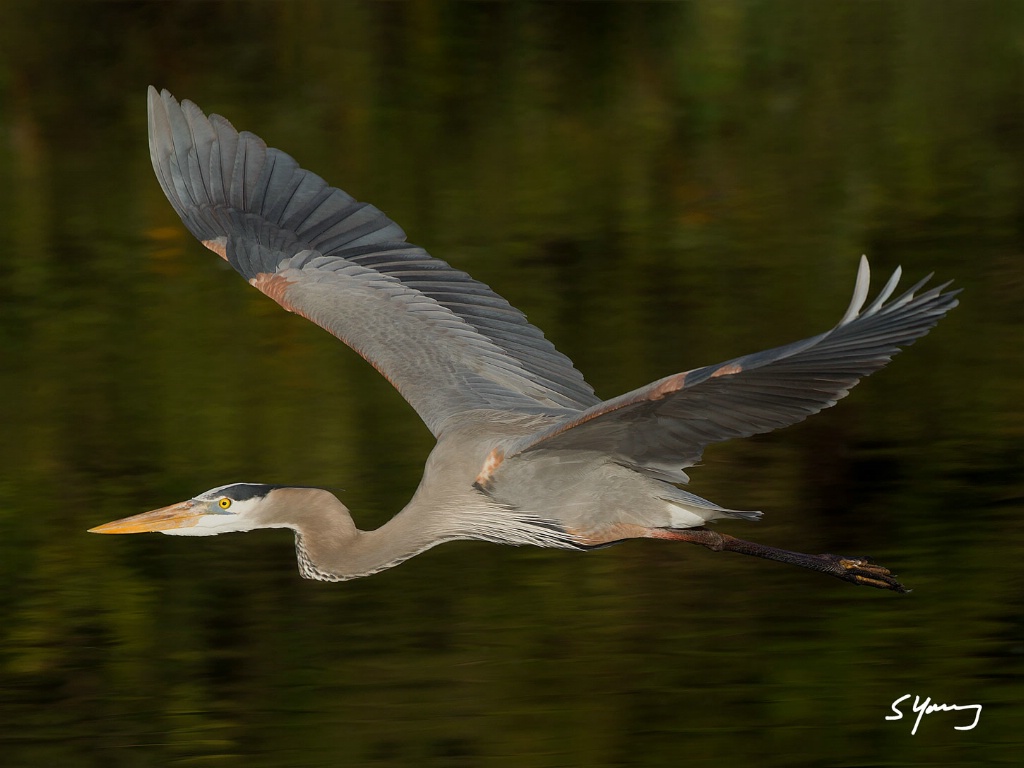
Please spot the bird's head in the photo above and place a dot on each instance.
(234, 507)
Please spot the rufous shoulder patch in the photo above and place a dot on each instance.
(219, 246)
(667, 387)
(485, 479)
(727, 370)
(275, 286)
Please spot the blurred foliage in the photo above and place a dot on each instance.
(659, 186)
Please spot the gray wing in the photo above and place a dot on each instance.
(664, 427)
(447, 342)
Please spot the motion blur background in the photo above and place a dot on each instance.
(658, 186)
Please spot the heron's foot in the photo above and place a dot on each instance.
(858, 570)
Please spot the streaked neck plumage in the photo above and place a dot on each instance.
(329, 547)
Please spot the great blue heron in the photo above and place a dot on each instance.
(525, 453)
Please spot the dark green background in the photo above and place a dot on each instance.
(659, 187)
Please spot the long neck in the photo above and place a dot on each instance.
(329, 547)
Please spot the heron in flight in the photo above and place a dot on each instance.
(526, 453)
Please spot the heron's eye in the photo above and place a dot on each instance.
(224, 503)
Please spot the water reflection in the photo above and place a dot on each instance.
(658, 187)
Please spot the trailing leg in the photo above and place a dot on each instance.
(855, 570)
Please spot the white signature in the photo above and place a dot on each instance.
(926, 707)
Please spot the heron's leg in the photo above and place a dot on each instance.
(853, 569)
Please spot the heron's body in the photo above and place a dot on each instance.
(563, 500)
(526, 452)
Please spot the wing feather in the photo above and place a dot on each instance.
(665, 426)
(270, 218)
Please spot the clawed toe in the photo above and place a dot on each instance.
(858, 570)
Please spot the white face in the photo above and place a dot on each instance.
(226, 509)
(218, 520)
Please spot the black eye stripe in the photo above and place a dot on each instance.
(246, 491)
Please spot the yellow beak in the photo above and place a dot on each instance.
(182, 515)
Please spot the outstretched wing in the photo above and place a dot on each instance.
(664, 427)
(447, 342)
